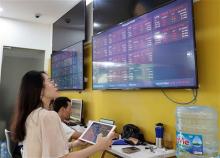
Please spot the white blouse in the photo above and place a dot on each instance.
(45, 137)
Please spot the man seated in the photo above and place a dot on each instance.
(62, 105)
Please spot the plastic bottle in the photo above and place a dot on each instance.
(159, 130)
(197, 132)
(4, 152)
(3, 147)
(0, 149)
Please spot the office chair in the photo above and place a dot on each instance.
(12, 146)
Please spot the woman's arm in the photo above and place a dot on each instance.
(102, 144)
(84, 153)
(76, 135)
(76, 143)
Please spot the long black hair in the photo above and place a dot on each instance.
(29, 99)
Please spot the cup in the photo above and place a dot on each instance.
(167, 141)
(159, 130)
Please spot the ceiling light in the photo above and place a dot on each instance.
(96, 25)
(1, 9)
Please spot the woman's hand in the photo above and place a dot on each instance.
(80, 143)
(104, 143)
(77, 143)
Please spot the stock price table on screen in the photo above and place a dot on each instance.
(153, 50)
(67, 70)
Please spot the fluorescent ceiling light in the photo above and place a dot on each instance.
(96, 25)
(1, 9)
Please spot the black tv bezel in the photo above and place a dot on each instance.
(85, 24)
(129, 19)
(59, 52)
(143, 88)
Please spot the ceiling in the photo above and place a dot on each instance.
(49, 10)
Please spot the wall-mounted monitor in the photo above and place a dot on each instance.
(155, 50)
(67, 67)
(107, 13)
(70, 28)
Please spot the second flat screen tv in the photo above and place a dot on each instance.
(67, 67)
(155, 50)
(70, 28)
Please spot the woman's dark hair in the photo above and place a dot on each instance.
(29, 99)
(60, 102)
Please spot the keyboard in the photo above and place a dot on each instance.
(71, 123)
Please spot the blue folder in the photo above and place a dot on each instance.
(119, 142)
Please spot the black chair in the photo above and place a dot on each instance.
(13, 148)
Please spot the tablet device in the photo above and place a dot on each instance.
(95, 128)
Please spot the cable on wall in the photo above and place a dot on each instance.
(194, 93)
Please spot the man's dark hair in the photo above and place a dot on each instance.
(60, 102)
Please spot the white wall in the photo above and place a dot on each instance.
(25, 35)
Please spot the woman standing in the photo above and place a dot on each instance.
(39, 128)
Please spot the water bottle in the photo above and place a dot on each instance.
(159, 130)
(0, 149)
(4, 151)
(3, 146)
(196, 132)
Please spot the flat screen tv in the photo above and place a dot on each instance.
(70, 28)
(67, 67)
(107, 13)
(155, 50)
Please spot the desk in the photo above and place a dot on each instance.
(143, 153)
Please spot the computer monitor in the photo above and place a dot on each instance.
(77, 110)
(107, 121)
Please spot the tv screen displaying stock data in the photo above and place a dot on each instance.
(67, 67)
(155, 50)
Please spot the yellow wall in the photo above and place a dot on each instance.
(147, 107)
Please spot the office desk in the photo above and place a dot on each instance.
(143, 153)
